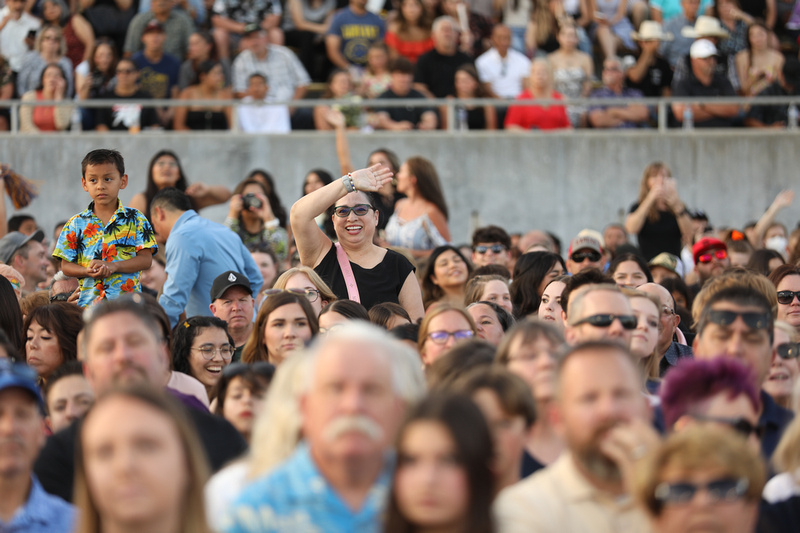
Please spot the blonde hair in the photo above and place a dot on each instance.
(644, 189)
(325, 292)
(652, 363)
(435, 310)
(476, 285)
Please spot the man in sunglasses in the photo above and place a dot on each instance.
(232, 301)
(491, 245)
(710, 259)
(737, 322)
(599, 312)
(584, 252)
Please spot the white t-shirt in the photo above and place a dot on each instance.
(263, 118)
(505, 75)
(12, 37)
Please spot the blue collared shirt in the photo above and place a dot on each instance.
(295, 498)
(42, 513)
(198, 250)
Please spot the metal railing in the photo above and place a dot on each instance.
(660, 105)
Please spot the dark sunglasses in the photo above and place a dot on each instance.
(495, 249)
(718, 490)
(752, 319)
(343, 211)
(739, 425)
(707, 258)
(60, 297)
(580, 257)
(788, 350)
(787, 297)
(604, 321)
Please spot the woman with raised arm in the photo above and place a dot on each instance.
(376, 274)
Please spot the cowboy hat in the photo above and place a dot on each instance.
(651, 30)
(705, 27)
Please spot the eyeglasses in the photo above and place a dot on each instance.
(604, 321)
(787, 297)
(752, 319)
(580, 257)
(718, 490)
(343, 211)
(495, 249)
(708, 257)
(788, 350)
(440, 337)
(310, 294)
(225, 351)
(740, 425)
(60, 297)
(19, 370)
(666, 311)
(125, 71)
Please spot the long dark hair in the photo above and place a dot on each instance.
(430, 291)
(473, 446)
(428, 184)
(269, 191)
(183, 336)
(614, 265)
(151, 189)
(11, 315)
(255, 349)
(529, 271)
(326, 178)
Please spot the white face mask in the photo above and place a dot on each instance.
(778, 244)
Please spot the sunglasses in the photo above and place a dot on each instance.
(788, 350)
(580, 257)
(495, 249)
(739, 425)
(343, 211)
(310, 294)
(752, 319)
(60, 297)
(787, 297)
(604, 321)
(440, 337)
(707, 258)
(718, 490)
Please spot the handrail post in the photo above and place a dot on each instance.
(14, 126)
(451, 115)
(662, 116)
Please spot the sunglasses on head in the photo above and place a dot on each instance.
(580, 257)
(604, 321)
(708, 257)
(739, 425)
(787, 297)
(788, 350)
(752, 319)
(718, 490)
(343, 211)
(495, 249)
(310, 294)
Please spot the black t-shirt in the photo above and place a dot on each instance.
(720, 86)
(438, 72)
(770, 114)
(400, 114)
(375, 285)
(655, 80)
(663, 235)
(120, 117)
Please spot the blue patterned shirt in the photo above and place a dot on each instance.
(84, 238)
(42, 513)
(295, 498)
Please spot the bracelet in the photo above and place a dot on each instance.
(349, 183)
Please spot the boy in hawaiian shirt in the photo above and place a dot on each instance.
(107, 245)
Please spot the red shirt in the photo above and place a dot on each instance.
(409, 49)
(537, 117)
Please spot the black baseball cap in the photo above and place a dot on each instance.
(226, 280)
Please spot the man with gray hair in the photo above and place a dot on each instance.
(338, 478)
(599, 312)
(436, 70)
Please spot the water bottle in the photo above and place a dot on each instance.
(688, 117)
(462, 119)
(76, 121)
(791, 116)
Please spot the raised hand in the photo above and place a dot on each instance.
(783, 199)
(372, 178)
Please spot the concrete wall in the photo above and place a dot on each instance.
(560, 182)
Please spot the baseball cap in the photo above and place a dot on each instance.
(584, 242)
(18, 375)
(15, 240)
(250, 29)
(705, 244)
(226, 280)
(702, 48)
(153, 25)
(665, 260)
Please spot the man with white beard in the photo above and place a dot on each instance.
(338, 478)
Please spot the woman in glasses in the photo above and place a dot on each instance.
(305, 279)
(701, 480)
(202, 348)
(239, 393)
(419, 222)
(443, 326)
(284, 324)
(786, 279)
(377, 274)
(659, 218)
(785, 366)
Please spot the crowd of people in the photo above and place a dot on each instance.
(264, 52)
(342, 365)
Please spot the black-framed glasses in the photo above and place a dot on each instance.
(310, 294)
(209, 351)
(580, 257)
(787, 297)
(343, 211)
(710, 256)
(718, 490)
(19, 370)
(753, 319)
(740, 425)
(440, 337)
(60, 297)
(605, 320)
(788, 350)
(494, 248)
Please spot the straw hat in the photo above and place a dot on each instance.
(705, 27)
(650, 30)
